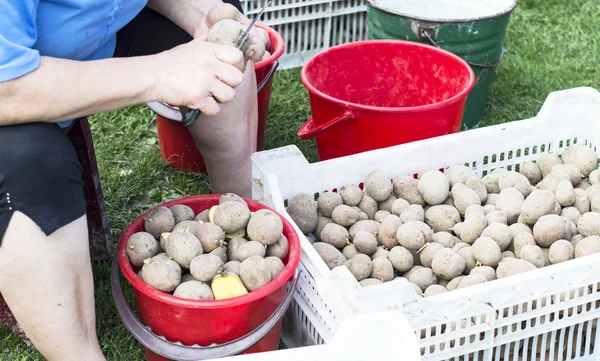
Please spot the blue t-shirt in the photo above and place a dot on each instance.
(68, 29)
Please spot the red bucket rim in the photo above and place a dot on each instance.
(278, 51)
(413, 109)
(286, 275)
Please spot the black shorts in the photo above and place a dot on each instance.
(40, 175)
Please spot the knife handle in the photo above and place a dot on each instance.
(190, 117)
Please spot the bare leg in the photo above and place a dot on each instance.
(228, 139)
(47, 283)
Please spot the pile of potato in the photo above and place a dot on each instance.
(182, 253)
(444, 231)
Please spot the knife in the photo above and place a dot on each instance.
(191, 116)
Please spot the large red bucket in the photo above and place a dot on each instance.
(173, 328)
(176, 144)
(379, 93)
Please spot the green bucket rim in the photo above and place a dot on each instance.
(374, 4)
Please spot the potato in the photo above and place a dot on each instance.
(407, 274)
(182, 247)
(362, 216)
(368, 205)
(265, 226)
(350, 251)
(508, 254)
(233, 246)
(453, 284)
(489, 208)
(561, 251)
(575, 239)
(181, 213)
(380, 216)
(161, 273)
(539, 203)
(464, 197)
(330, 255)
(467, 254)
(521, 240)
(405, 187)
(589, 224)
(477, 185)
(232, 197)
(321, 223)
(491, 183)
(194, 290)
(550, 182)
(233, 267)
(423, 277)
(414, 212)
(427, 252)
(442, 218)
(302, 208)
(471, 280)
(533, 254)
(387, 231)
(546, 161)
(512, 266)
(594, 177)
(351, 195)
(365, 243)
(141, 246)
(203, 216)
(378, 185)
(548, 229)
(458, 174)
(401, 258)
(571, 213)
(448, 264)
(595, 204)
(417, 289)
(366, 225)
(158, 221)
(381, 252)
(472, 228)
(449, 201)
(492, 198)
(360, 266)
(588, 245)
(367, 282)
(486, 271)
(434, 290)
(275, 265)
(382, 269)
(445, 239)
(433, 186)
(510, 201)
(399, 206)
(387, 204)
(531, 171)
(486, 251)
(582, 202)
(414, 235)
(255, 273)
(231, 216)
(519, 228)
(565, 194)
(511, 179)
(475, 208)
(581, 156)
(496, 217)
(250, 249)
(500, 233)
(220, 252)
(327, 202)
(460, 245)
(210, 236)
(569, 169)
(205, 267)
(186, 226)
(279, 249)
(335, 235)
(583, 185)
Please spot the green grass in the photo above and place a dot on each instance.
(550, 45)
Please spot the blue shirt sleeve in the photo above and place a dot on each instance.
(18, 34)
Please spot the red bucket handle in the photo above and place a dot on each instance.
(308, 130)
(176, 350)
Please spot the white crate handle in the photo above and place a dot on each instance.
(309, 130)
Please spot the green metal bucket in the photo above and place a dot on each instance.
(471, 29)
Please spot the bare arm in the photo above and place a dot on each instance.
(187, 14)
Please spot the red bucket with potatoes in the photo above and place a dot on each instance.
(175, 328)
(176, 144)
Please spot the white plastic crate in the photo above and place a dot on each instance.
(359, 338)
(553, 305)
(311, 26)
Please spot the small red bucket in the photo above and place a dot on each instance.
(380, 93)
(173, 328)
(176, 144)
